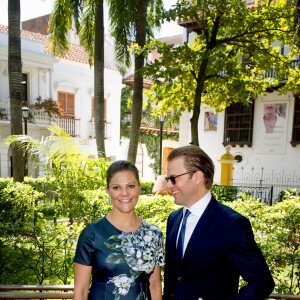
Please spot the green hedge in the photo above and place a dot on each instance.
(38, 239)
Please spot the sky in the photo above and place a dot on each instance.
(34, 8)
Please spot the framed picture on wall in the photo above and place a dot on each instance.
(210, 121)
(273, 126)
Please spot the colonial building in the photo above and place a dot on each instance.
(69, 80)
(264, 138)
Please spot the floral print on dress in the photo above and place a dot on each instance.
(122, 285)
(141, 249)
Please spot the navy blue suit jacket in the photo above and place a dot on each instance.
(220, 250)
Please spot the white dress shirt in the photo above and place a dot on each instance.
(196, 210)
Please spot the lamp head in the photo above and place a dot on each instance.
(25, 112)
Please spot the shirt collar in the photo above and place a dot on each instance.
(198, 208)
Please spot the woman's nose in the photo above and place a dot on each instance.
(124, 191)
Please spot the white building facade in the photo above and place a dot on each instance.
(68, 80)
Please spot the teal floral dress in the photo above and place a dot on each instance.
(122, 262)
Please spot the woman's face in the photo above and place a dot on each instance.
(270, 108)
(124, 191)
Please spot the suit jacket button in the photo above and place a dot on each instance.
(180, 278)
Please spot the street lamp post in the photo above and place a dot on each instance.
(25, 115)
(161, 121)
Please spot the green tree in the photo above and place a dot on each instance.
(228, 58)
(88, 19)
(133, 22)
(15, 77)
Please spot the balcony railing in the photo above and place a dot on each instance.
(69, 125)
(107, 129)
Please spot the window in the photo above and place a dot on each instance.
(67, 103)
(296, 123)
(238, 127)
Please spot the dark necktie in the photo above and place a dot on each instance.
(180, 242)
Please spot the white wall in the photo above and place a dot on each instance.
(273, 153)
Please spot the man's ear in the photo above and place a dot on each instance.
(198, 176)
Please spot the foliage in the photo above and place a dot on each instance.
(72, 171)
(73, 178)
(124, 26)
(41, 251)
(147, 186)
(226, 61)
(126, 94)
(224, 193)
(277, 233)
(156, 209)
(50, 151)
(17, 203)
(42, 254)
(52, 107)
(288, 194)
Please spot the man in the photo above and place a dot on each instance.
(218, 246)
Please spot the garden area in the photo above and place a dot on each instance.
(41, 219)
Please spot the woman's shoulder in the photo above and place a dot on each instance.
(149, 226)
(91, 228)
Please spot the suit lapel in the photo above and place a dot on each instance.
(175, 228)
(204, 223)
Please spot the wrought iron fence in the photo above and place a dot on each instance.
(266, 186)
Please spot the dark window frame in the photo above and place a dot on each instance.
(238, 125)
(296, 123)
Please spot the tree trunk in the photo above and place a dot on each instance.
(99, 81)
(137, 101)
(195, 117)
(197, 102)
(15, 77)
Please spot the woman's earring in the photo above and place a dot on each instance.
(110, 200)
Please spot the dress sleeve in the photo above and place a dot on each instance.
(85, 247)
(160, 253)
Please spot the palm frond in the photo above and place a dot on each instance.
(56, 148)
(59, 24)
(87, 32)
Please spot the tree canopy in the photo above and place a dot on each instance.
(238, 51)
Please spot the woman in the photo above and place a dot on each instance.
(273, 122)
(122, 252)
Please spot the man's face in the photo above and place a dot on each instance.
(185, 190)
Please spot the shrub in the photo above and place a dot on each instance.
(147, 186)
(287, 194)
(224, 193)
